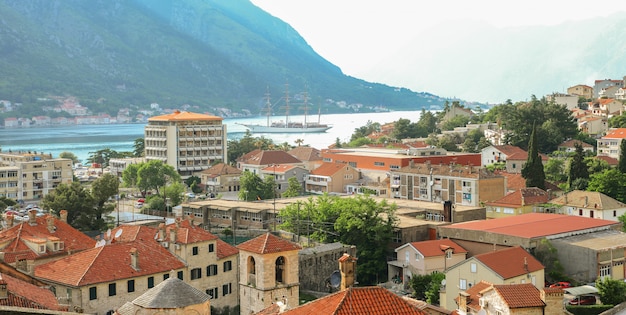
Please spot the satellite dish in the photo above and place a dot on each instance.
(335, 279)
(118, 233)
(109, 234)
(100, 243)
(443, 282)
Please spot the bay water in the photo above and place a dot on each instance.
(84, 139)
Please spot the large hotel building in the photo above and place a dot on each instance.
(189, 142)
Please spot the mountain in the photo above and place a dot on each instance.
(475, 61)
(206, 53)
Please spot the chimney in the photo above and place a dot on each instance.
(190, 218)
(161, 236)
(347, 267)
(463, 298)
(173, 231)
(9, 218)
(4, 292)
(50, 224)
(32, 217)
(63, 214)
(134, 258)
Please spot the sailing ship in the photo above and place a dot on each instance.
(288, 126)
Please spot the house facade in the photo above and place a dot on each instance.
(29, 176)
(220, 178)
(589, 204)
(609, 144)
(581, 90)
(331, 178)
(525, 200)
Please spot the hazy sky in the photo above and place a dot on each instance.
(354, 34)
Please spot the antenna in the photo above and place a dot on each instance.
(335, 279)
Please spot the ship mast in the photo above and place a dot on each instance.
(287, 104)
(268, 109)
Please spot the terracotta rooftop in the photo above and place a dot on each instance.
(17, 242)
(268, 243)
(588, 199)
(329, 169)
(510, 262)
(571, 143)
(610, 160)
(225, 250)
(109, 263)
(303, 153)
(474, 294)
(522, 197)
(24, 294)
(617, 133)
(509, 149)
(184, 116)
(435, 248)
(270, 157)
(358, 301)
(520, 295)
(221, 169)
(533, 225)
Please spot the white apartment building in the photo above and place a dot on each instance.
(29, 176)
(187, 141)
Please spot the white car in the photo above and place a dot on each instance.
(139, 205)
(191, 195)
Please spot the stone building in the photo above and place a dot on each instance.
(318, 263)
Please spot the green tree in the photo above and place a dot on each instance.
(427, 124)
(69, 155)
(555, 170)
(359, 221)
(610, 182)
(419, 284)
(175, 192)
(103, 188)
(403, 129)
(248, 143)
(611, 291)
(252, 187)
(294, 188)
(618, 121)
(154, 175)
(78, 203)
(139, 147)
(533, 169)
(432, 293)
(366, 130)
(621, 166)
(193, 182)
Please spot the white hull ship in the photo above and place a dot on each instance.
(287, 126)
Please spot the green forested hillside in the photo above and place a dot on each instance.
(210, 54)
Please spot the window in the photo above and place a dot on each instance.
(196, 273)
(211, 270)
(418, 256)
(591, 213)
(280, 269)
(93, 293)
(228, 266)
(227, 289)
(605, 271)
(211, 248)
(130, 286)
(166, 276)
(150, 282)
(379, 163)
(448, 254)
(180, 275)
(194, 250)
(473, 267)
(112, 289)
(462, 284)
(212, 293)
(580, 212)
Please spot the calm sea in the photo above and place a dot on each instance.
(83, 139)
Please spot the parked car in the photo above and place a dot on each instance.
(11, 212)
(561, 284)
(141, 200)
(583, 300)
(191, 195)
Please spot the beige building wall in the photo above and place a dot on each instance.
(32, 176)
(472, 271)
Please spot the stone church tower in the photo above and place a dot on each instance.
(268, 273)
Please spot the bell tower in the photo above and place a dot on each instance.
(268, 273)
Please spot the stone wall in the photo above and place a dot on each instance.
(317, 263)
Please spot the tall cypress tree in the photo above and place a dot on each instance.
(577, 167)
(622, 157)
(533, 170)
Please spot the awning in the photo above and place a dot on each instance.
(582, 290)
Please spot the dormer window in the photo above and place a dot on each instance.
(42, 249)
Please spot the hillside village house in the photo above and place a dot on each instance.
(282, 173)
(511, 265)
(331, 178)
(609, 144)
(257, 160)
(514, 157)
(424, 258)
(590, 204)
(569, 100)
(525, 200)
(462, 185)
(599, 85)
(581, 90)
(592, 124)
(606, 107)
(311, 157)
(569, 146)
(220, 178)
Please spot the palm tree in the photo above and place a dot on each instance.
(299, 141)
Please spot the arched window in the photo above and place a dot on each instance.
(251, 265)
(280, 269)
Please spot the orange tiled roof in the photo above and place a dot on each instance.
(329, 169)
(109, 263)
(358, 301)
(184, 116)
(509, 149)
(612, 161)
(434, 248)
(188, 233)
(520, 295)
(617, 133)
(225, 250)
(571, 143)
(268, 243)
(221, 169)
(474, 294)
(533, 225)
(14, 240)
(24, 294)
(279, 169)
(522, 197)
(510, 262)
(270, 157)
(303, 153)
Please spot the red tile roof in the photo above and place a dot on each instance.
(14, 240)
(270, 157)
(187, 233)
(571, 143)
(434, 248)
(510, 262)
(522, 197)
(474, 294)
(509, 149)
(617, 133)
(225, 250)
(358, 301)
(532, 225)
(184, 116)
(278, 168)
(303, 153)
(24, 294)
(268, 243)
(520, 295)
(109, 263)
(329, 169)
(221, 169)
(610, 160)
